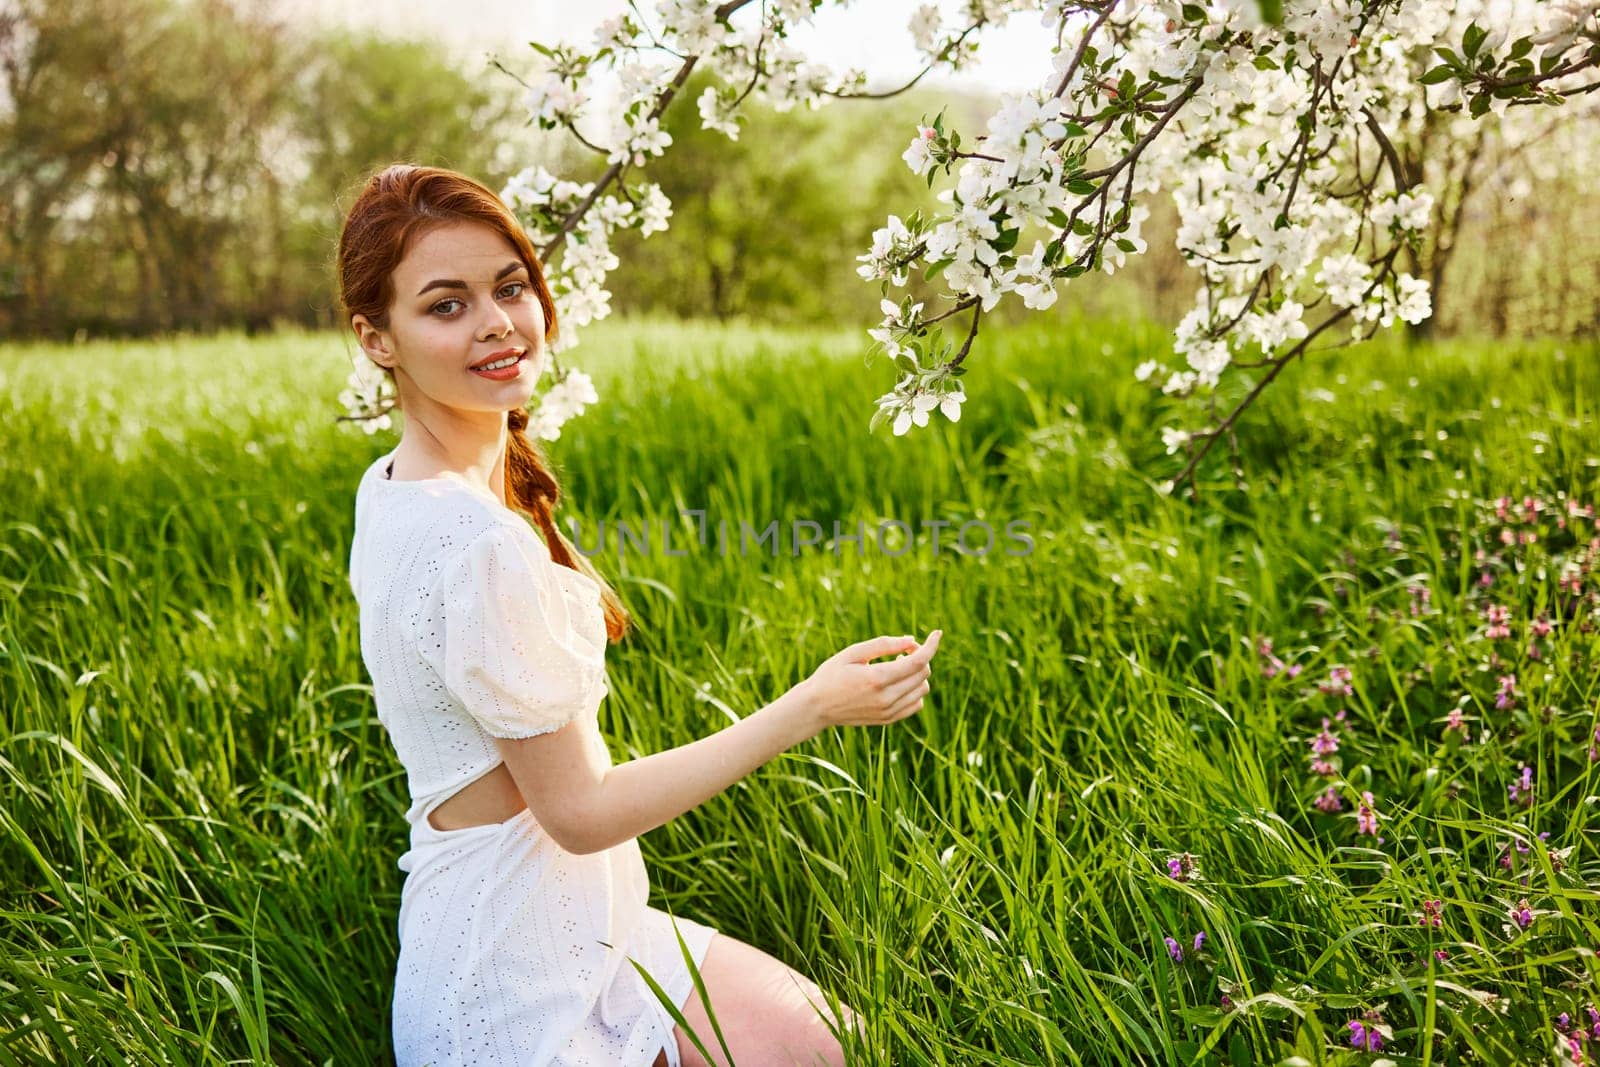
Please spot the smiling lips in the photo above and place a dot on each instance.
(504, 353)
(509, 372)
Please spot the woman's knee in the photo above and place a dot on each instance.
(768, 1012)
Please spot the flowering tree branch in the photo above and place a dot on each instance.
(1256, 129)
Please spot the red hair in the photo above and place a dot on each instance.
(395, 207)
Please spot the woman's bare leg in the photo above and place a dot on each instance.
(770, 1014)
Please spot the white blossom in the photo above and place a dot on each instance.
(655, 211)
(925, 27)
(714, 113)
(919, 157)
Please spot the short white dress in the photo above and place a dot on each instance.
(512, 949)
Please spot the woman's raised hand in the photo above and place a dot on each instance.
(848, 689)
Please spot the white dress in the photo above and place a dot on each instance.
(512, 949)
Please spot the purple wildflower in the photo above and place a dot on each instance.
(1324, 744)
(1199, 940)
(1364, 1037)
(1506, 697)
(1430, 913)
(1499, 618)
(1522, 915)
(1180, 867)
(1338, 683)
(1328, 800)
(1174, 950)
(1367, 818)
(1522, 790)
(1273, 665)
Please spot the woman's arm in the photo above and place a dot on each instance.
(586, 805)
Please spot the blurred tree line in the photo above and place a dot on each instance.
(184, 165)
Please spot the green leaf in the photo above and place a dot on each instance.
(1479, 106)
(935, 268)
(1271, 11)
(1442, 73)
(1472, 39)
(1080, 187)
(1007, 240)
(1193, 13)
(1523, 46)
(1126, 245)
(1265, 63)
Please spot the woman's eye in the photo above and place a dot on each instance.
(519, 286)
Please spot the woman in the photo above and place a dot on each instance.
(524, 905)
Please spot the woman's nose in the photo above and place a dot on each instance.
(499, 324)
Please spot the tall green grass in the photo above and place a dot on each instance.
(200, 814)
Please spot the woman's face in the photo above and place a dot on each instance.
(462, 298)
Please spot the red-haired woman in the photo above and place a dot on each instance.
(485, 636)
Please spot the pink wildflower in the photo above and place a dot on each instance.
(1367, 818)
(1522, 791)
(1338, 683)
(1499, 618)
(1506, 697)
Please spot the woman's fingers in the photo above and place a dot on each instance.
(910, 704)
(872, 648)
(895, 694)
(896, 671)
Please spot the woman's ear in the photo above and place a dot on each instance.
(374, 342)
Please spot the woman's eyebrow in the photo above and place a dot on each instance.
(456, 283)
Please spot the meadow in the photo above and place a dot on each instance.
(1339, 718)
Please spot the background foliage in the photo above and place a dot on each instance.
(182, 165)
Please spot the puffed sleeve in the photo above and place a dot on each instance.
(497, 629)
